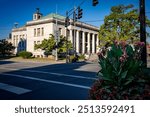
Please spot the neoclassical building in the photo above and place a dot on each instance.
(83, 36)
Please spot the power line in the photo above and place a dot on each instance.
(94, 20)
(82, 2)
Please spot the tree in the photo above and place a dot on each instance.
(47, 44)
(62, 45)
(5, 48)
(50, 44)
(122, 24)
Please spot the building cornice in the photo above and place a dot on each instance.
(19, 29)
(37, 22)
(62, 22)
(86, 26)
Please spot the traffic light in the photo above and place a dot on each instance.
(95, 2)
(67, 22)
(80, 12)
(75, 16)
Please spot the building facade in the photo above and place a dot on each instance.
(83, 36)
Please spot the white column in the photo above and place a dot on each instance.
(83, 42)
(71, 36)
(93, 43)
(77, 41)
(15, 42)
(97, 42)
(88, 44)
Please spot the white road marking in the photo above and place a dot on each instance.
(13, 89)
(47, 81)
(53, 73)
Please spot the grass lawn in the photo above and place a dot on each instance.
(14, 58)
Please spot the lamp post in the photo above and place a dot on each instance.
(143, 30)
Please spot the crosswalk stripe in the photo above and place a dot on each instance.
(48, 81)
(13, 89)
(52, 73)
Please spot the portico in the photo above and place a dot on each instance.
(85, 42)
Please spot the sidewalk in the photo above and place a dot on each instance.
(35, 60)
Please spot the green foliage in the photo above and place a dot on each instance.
(25, 54)
(49, 44)
(6, 48)
(127, 18)
(121, 71)
(62, 45)
(117, 71)
(74, 58)
(82, 57)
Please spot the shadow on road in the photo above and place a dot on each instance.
(5, 62)
(59, 73)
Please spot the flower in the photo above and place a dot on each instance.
(123, 58)
(140, 44)
(115, 42)
(123, 44)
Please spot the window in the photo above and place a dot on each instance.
(34, 44)
(23, 36)
(34, 32)
(39, 17)
(22, 43)
(60, 31)
(14, 40)
(38, 42)
(42, 31)
(35, 16)
(38, 32)
(68, 32)
(17, 42)
(16, 36)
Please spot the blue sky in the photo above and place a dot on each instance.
(21, 11)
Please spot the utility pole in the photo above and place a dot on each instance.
(74, 34)
(143, 31)
(56, 37)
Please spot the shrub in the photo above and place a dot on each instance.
(25, 54)
(82, 57)
(74, 58)
(121, 73)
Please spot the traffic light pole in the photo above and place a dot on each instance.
(143, 31)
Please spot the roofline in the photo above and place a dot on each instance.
(62, 22)
(19, 29)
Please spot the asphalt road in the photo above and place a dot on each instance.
(46, 81)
